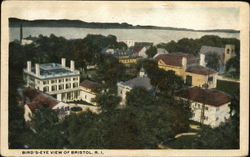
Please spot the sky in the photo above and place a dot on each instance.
(179, 15)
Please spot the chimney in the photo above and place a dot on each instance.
(184, 62)
(63, 62)
(37, 70)
(202, 60)
(29, 66)
(72, 65)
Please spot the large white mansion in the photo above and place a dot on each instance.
(54, 79)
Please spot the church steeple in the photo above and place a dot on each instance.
(142, 72)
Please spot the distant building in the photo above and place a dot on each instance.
(34, 99)
(145, 44)
(187, 66)
(129, 43)
(54, 79)
(160, 51)
(87, 92)
(26, 41)
(108, 51)
(141, 81)
(223, 54)
(129, 59)
(209, 107)
(140, 51)
(124, 56)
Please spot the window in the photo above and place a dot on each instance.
(205, 117)
(228, 50)
(60, 86)
(75, 78)
(46, 82)
(210, 79)
(206, 108)
(53, 81)
(75, 85)
(189, 80)
(85, 96)
(217, 109)
(60, 80)
(46, 89)
(67, 79)
(217, 118)
(54, 88)
(121, 92)
(68, 85)
(198, 105)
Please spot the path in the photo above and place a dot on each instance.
(220, 77)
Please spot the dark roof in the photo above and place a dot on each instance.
(175, 59)
(211, 49)
(38, 99)
(139, 82)
(207, 96)
(89, 84)
(197, 69)
(144, 44)
(53, 70)
(137, 48)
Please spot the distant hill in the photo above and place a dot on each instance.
(15, 22)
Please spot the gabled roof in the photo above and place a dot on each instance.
(211, 49)
(175, 59)
(197, 69)
(138, 48)
(39, 99)
(138, 82)
(89, 84)
(207, 96)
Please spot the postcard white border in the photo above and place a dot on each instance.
(244, 79)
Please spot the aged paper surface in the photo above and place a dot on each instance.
(69, 10)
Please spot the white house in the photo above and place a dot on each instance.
(87, 92)
(141, 81)
(209, 106)
(140, 51)
(160, 51)
(54, 79)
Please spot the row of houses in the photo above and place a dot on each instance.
(62, 83)
(209, 106)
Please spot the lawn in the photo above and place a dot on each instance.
(231, 88)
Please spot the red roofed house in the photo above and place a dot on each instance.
(209, 107)
(87, 91)
(33, 99)
(187, 66)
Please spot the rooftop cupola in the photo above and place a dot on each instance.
(142, 72)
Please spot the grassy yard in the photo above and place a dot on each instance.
(231, 88)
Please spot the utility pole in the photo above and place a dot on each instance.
(204, 100)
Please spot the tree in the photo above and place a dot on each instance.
(109, 70)
(107, 101)
(222, 137)
(151, 51)
(45, 131)
(212, 61)
(233, 67)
